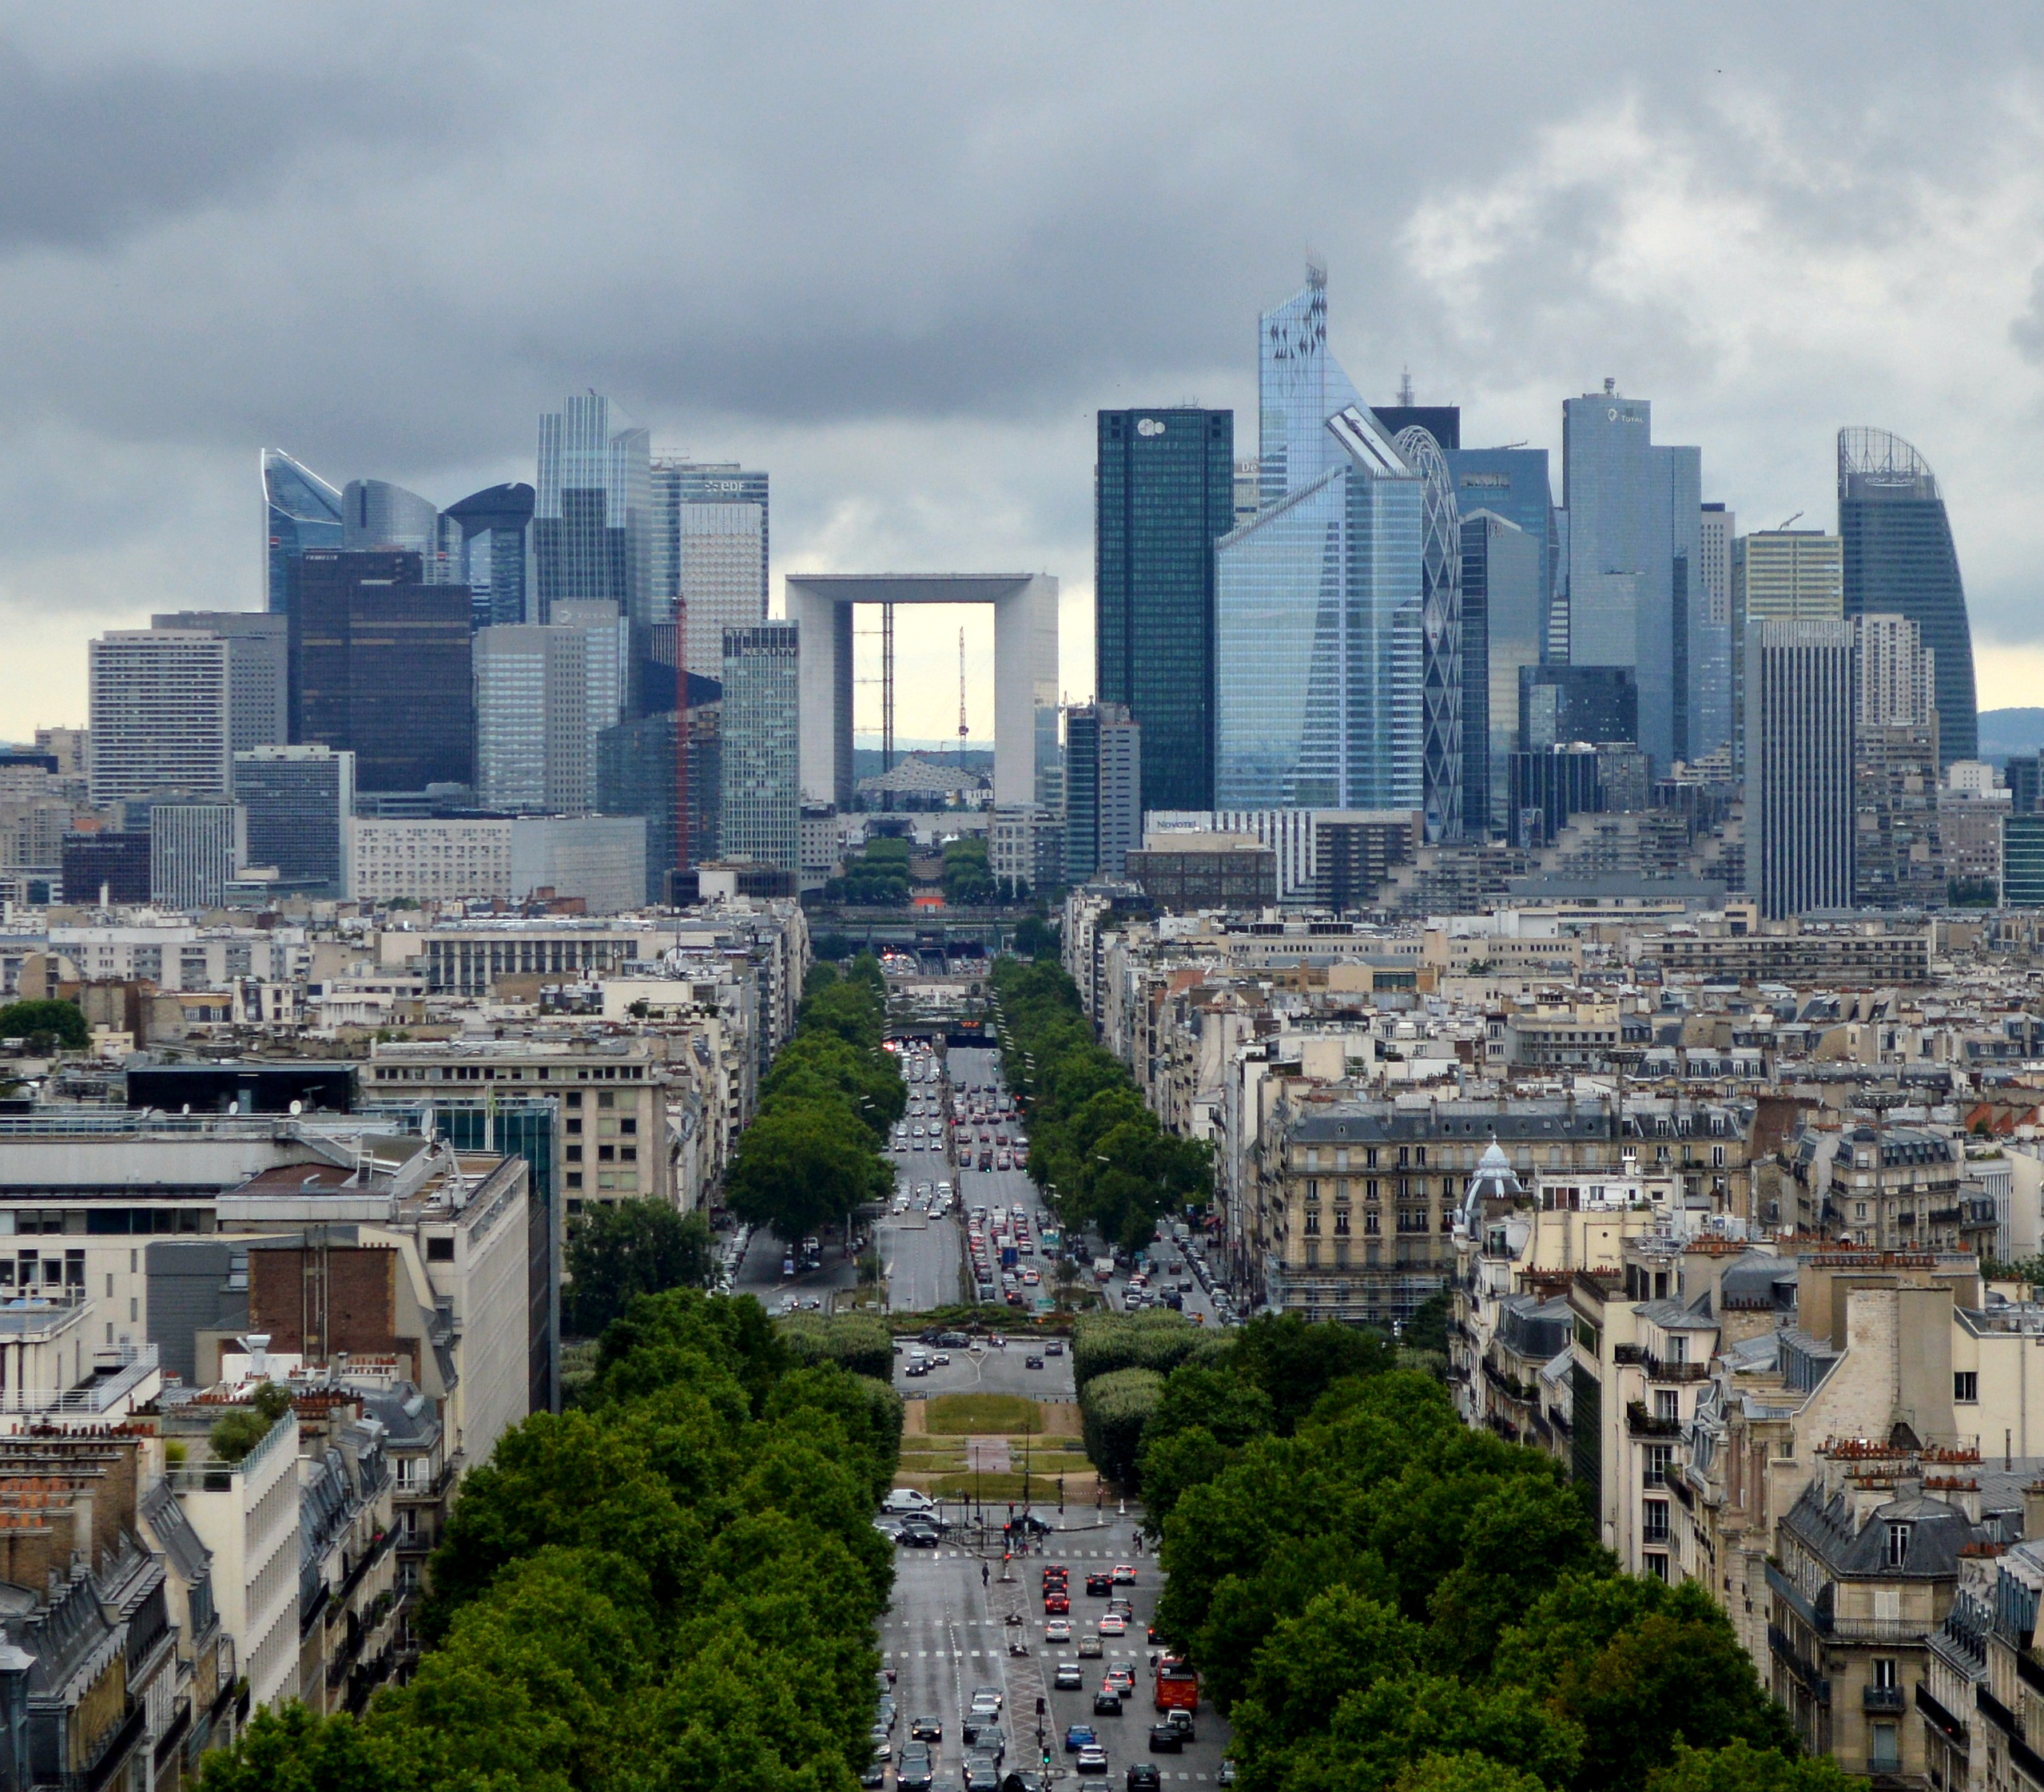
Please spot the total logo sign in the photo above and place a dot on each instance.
(1150, 426)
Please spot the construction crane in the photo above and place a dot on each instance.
(1780, 526)
(962, 700)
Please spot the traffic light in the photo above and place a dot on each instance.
(1040, 1704)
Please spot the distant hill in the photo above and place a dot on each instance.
(2003, 732)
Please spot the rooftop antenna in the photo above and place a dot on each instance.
(1405, 390)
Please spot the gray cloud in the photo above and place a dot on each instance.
(899, 254)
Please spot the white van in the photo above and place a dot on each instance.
(908, 1499)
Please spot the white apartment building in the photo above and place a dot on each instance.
(162, 713)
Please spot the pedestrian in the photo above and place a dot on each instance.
(985, 1574)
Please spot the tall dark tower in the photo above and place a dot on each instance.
(1899, 560)
(1164, 494)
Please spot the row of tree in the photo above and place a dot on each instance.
(1107, 1163)
(674, 1585)
(1378, 1597)
(815, 1150)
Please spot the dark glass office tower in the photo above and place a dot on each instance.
(1559, 704)
(638, 772)
(1442, 422)
(592, 522)
(381, 667)
(299, 511)
(1899, 559)
(299, 801)
(1164, 494)
(496, 542)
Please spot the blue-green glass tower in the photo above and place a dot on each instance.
(1163, 491)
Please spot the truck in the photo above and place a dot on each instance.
(1102, 1269)
(1009, 1257)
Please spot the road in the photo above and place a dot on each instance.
(945, 1636)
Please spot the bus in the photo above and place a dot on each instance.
(1178, 1685)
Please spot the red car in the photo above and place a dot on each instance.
(1055, 1603)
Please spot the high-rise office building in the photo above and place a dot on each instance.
(299, 511)
(1635, 548)
(1104, 797)
(606, 671)
(382, 667)
(375, 514)
(1782, 575)
(1163, 493)
(1504, 621)
(2022, 862)
(495, 526)
(638, 771)
(1318, 650)
(1549, 787)
(1299, 386)
(259, 669)
(162, 713)
(720, 551)
(196, 851)
(1247, 478)
(1899, 559)
(532, 733)
(678, 485)
(1558, 703)
(1513, 483)
(1441, 637)
(592, 518)
(1800, 803)
(109, 865)
(1897, 857)
(298, 800)
(761, 770)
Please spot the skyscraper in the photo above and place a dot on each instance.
(1635, 545)
(259, 669)
(719, 552)
(1299, 386)
(299, 511)
(496, 529)
(298, 800)
(196, 850)
(1317, 641)
(677, 482)
(1164, 494)
(1103, 795)
(375, 513)
(636, 774)
(1513, 484)
(1898, 558)
(1799, 766)
(1504, 621)
(1898, 856)
(592, 522)
(1441, 637)
(382, 667)
(761, 802)
(533, 739)
(1783, 575)
(162, 709)
(606, 671)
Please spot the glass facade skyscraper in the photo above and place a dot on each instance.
(1799, 766)
(1899, 559)
(1318, 639)
(376, 513)
(1504, 588)
(1441, 637)
(496, 528)
(1513, 484)
(1164, 494)
(762, 746)
(299, 511)
(299, 801)
(592, 520)
(1635, 537)
(1299, 386)
(678, 483)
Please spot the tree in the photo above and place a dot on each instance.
(1741, 1767)
(803, 1165)
(47, 1026)
(1295, 1361)
(619, 1248)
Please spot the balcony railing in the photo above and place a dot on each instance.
(1641, 1423)
(1882, 1698)
(1784, 1650)
(1658, 1370)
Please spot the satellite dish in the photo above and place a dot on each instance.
(297, 1107)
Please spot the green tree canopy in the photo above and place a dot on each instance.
(47, 1025)
(617, 1249)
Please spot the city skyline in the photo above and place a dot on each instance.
(917, 386)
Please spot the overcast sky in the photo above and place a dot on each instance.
(898, 256)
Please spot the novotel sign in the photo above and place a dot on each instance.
(1150, 426)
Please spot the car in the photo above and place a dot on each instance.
(1226, 1776)
(885, 1707)
(1122, 1677)
(1165, 1739)
(1078, 1735)
(1092, 1760)
(1113, 1624)
(914, 1772)
(875, 1775)
(1124, 1574)
(1089, 1644)
(982, 1774)
(1107, 1703)
(882, 1748)
(1058, 1630)
(926, 1730)
(1068, 1677)
(1143, 1777)
(1100, 1586)
(1120, 1607)
(1056, 1605)
(987, 1701)
(1032, 1362)
(920, 1367)
(1055, 1348)
(941, 1359)
(1180, 1719)
(988, 1742)
(918, 1536)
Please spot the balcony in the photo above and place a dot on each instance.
(1784, 1652)
(1882, 1699)
(1642, 1424)
(1657, 1370)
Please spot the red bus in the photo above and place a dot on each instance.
(1178, 1685)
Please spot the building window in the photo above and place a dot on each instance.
(1341, 1219)
(1884, 1748)
(1898, 1545)
(1966, 1385)
(1885, 1675)
(1312, 1190)
(1655, 1564)
(1658, 1457)
(1666, 1405)
(1654, 1527)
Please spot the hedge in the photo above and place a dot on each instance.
(858, 1342)
(1102, 1343)
(1113, 1411)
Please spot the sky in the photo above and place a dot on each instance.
(899, 255)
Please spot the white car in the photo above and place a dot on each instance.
(1058, 1630)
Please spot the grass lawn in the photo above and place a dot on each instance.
(982, 1415)
(1042, 1488)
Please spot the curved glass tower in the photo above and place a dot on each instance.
(1441, 637)
(299, 511)
(1899, 560)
